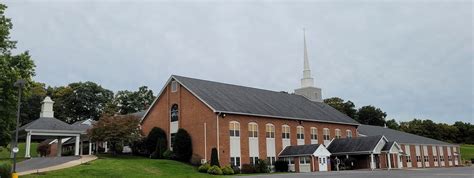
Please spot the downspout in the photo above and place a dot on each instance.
(205, 141)
(218, 145)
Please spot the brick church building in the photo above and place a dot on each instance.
(245, 124)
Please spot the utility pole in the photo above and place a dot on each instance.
(20, 83)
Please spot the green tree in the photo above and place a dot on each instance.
(182, 146)
(31, 104)
(392, 124)
(134, 101)
(371, 115)
(347, 107)
(116, 130)
(79, 101)
(12, 68)
(466, 132)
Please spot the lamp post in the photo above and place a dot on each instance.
(20, 84)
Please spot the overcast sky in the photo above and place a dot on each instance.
(411, 59)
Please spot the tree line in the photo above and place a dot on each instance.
(459, 132)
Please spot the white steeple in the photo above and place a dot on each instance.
(307, 82)
(47, 107)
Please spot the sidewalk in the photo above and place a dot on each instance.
(68, 164)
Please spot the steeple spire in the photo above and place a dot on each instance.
(307, 80)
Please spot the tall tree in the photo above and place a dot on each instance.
(79, 101)
(393, 124)
(12, 68)
(347, 107)
(31, 104)
(134, 101)
(371, 115)
(116, 130)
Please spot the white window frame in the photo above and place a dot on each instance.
(285, 132)
(314, 133)
(269, 131)
(253, 130)
(300, 132)
(174, 86)
(234, 129)
(326, 134)
(337, 133)
(349, 133)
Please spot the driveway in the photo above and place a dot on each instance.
(43, 162)
(459, 172)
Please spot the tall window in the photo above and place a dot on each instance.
(299, 132)
(408, 159)
(270, 131)
(338, 133)
(285, 132)
(234, 129)
(314, 133)
(326, 134)
(349, 133)
(174, 86)
(253, 160)
(253, 130)
(174, 113)
(235, 161)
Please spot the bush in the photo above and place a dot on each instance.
(227, 170)
(236, 169)
(5, 169)
(216, 170)
(182, 146)
(248, 169)
(156, 141)
(262, 166)
(214, 158)
(204, 167)
(67, 153)
(139, 148)
(281, 166)
(168, 154)
(43, 149)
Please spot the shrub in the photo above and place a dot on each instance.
(204, 167)
(281, 166)
(43, 149)
(5, 169)
(227, 170)
(248, 169)
(139, 148)
(262, 166)
(182, 146)
(156, 141)
(214, 158)
(67, 153)
(216, 170)
(168, 154)
(236, 169)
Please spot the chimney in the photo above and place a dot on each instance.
(47, 107)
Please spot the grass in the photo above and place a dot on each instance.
(5, 153)
(467, 152)
(126, 166)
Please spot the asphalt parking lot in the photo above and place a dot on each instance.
(459, 172)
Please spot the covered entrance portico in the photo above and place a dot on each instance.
(306, 158)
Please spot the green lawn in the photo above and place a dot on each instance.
(5, 153)
(467, 152)
(127, 166)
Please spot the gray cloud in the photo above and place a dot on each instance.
(412, 59)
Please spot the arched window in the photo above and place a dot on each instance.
(326, 134)
(314, 133)
(300, 132)
(349, 133)
(285, 132)
(270, 131)
(338, 133)
(253, 130)
(234, 129)
(174, 113)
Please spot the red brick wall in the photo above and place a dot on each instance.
(193, 114)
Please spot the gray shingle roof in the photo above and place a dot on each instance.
(299, 150)
(234, 99)
(398, 136)
(352, 145)
(48, 123)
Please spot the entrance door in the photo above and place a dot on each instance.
(400, 163)
(305, 164)
(323, 166)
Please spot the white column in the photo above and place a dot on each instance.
(76, 150)
(90, 147)
(28, 145)
(82, 147)
(389, 162)
(59, 147)
(106, 147)
(372, 163)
